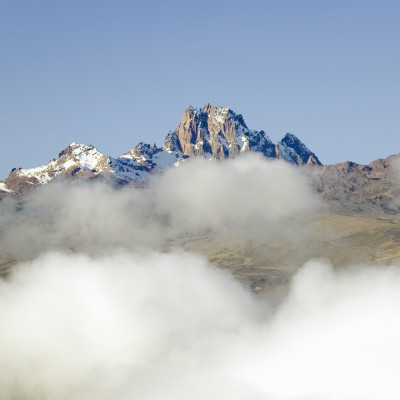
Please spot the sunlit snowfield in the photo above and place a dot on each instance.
(107, 298)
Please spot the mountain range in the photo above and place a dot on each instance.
(218, 133)
(358, 222)
(210, 132)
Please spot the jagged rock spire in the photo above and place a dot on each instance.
(216, 132)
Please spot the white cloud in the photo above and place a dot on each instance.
(171, 326)
(108, 315)
(247, 196)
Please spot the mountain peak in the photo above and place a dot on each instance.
(218, 113)
(290, 138)
(75, 148)
(293, 150)
(191, 110)
(215, 132)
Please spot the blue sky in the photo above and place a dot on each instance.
(113, 73)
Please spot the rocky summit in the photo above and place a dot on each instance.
(219, 133)
(211, 132)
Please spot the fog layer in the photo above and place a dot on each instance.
(171, 326)
(102, 309)
(247, 196)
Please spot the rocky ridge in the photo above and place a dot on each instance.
(358, 188)
(211, 132)
(80, 161)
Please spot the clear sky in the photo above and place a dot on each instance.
(113, 73)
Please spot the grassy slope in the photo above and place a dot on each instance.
(342, 239)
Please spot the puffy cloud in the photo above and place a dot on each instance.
(75, 326)
(109, 314)
(246, 196)
(152, 325)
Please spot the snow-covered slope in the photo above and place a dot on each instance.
(74, 159)
(86, 162)
(152, 157)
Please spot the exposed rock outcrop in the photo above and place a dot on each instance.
(216, 132)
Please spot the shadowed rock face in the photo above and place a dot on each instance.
(291, 149)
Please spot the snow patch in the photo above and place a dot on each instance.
(4, 188)
(126, 168)
(164, 159)
(88, 157)
(287, 153)
(219, 114)
(39, 173)
(68, 164)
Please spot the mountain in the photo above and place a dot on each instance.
(80, 161)
(357, 224)
(356, 188)
(219, 133)
(211, 132)
(216, 132)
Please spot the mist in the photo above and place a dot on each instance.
(248, 196)
(103, 304)
(173, 326)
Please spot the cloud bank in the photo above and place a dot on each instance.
(171, 326)
(101, 310)
(247, 196)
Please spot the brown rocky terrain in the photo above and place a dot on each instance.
(353, 188)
